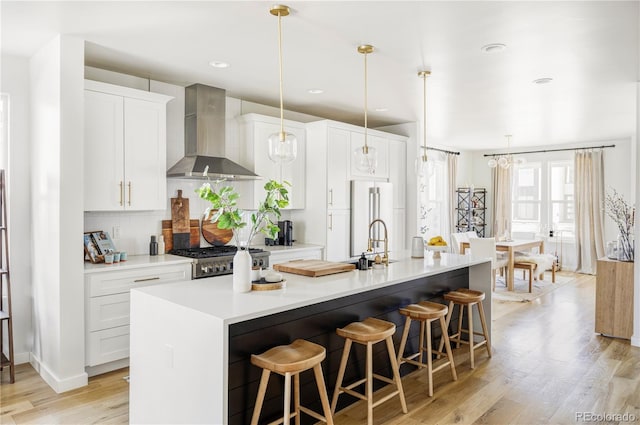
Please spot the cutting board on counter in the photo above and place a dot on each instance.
(180, 221)
(194, 234)
(313, 268)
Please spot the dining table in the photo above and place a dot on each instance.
(510, 247)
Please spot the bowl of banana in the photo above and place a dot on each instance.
(437, 244)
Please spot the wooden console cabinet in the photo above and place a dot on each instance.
(614, 298)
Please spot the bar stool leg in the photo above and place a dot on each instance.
(421, 341)
(484, 328)
(322, 390)
(405, 336)
(446, 332)
(296, 396)
(460, 317)
(343, 366)
(369, 383)
(287, 398)
(262, 389)
(396, 374)
(429, 359)
(447, 346)
(471, 339)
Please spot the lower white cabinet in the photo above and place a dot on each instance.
(107, 308)
(278, 256)
(338, 235)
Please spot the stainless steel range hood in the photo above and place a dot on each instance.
(204, 138)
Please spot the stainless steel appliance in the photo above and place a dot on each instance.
(218, 260)
(370, 200)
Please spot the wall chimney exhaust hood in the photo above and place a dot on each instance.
(204, 134)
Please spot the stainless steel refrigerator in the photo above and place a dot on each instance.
(370, 200)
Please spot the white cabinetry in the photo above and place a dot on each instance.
(255, 130)
(282, 254)
(124, 148)
(398, 177)
(107, 310)
(326, 220)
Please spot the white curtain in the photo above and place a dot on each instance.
(589, 204)
(450, 214)
(501, 188)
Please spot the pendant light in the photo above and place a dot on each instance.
(505, 161)
(421, 162)
(366, 157)
(283, 146)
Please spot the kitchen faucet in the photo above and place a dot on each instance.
(370, 241)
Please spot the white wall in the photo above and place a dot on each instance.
(57, 110)
(15, 82)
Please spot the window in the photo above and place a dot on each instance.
(433, 199)
(542, 197)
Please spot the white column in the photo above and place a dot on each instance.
(635, 339)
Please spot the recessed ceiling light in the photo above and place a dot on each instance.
(315, 91)
(545, 80)
(218, 64)
(382, 109)
(493, 48)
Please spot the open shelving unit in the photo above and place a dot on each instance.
(471, 210)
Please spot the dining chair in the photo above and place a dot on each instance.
(486, 248)
(458, 238)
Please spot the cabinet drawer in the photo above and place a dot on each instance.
(121, 281)
(108, 311)
(107, 345)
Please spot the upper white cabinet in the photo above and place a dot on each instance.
(124, 148)
(398, 171)
(255, 130)
(338, 187)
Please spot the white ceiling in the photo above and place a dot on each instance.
(590, 49)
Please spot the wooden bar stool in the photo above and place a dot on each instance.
(368, 332)
(426, 312)
(467, 297)
(290, 360)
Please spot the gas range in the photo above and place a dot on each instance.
(218, 260)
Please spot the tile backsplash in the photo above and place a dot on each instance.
(136, 227)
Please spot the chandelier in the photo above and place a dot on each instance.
(505, 161)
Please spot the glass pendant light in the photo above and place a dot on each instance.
(506, 161)
(422, 164)
(283, 146)
(366, 157)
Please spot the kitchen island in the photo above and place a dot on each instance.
(191, 341)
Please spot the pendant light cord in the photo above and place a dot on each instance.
(282, 134)
(424, 120)
(366, 146)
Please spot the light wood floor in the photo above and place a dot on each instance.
(547, 365)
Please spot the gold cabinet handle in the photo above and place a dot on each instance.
(121, 192)
(147, 279)
(330, 221)
(129, 193)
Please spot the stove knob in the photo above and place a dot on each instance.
(223, 268)
(203, 269)
(217, 269)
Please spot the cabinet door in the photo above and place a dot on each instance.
(338, 235)
(145, 155)
(397, 172)
(103, 152)
(107, 345)
(338, 157)
(293, 172)
(381, 145)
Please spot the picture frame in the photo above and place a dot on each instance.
(91, 250)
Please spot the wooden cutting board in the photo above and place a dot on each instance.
(180, 221)
(194, 234)
(212, 234)
(313, 268)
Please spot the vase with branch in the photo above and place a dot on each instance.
(223, 199)
(623, 216)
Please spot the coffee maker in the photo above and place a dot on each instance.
(285, 234)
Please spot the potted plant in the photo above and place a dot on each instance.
(223, 200)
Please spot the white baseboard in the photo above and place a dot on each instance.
(21, 358)
(57, 384)
(635, 341)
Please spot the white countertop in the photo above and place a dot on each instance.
(215, 297)
(136, 262)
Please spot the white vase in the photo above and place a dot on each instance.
(242, 271)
